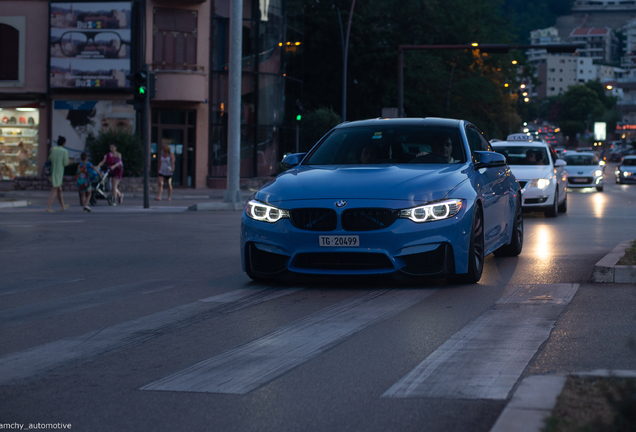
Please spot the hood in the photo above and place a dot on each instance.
(531, 172)
(421, 183)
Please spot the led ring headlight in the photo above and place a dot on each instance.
(432, 212)
(263, 212)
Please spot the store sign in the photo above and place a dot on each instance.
(626, 127)
(600, 129)
(90, 45)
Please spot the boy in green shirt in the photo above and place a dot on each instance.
(59, 159)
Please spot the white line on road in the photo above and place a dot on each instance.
(40, 311)
(247, 367)
(485, 359)
(42, 358)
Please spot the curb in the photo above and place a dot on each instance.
(536, 396)
(215, 206)
(16, 203)
(606, 269)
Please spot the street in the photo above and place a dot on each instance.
(143, 320)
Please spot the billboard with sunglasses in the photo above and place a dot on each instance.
(90, 45)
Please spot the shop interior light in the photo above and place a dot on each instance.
(26, 109)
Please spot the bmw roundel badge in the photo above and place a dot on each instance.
(341, 203)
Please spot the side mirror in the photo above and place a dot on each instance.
(487, 159)
(560, 163)
(291, 160)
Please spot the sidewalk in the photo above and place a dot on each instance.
(182, 200)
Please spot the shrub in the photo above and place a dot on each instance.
(128, 145)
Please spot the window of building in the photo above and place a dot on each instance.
(12, 51)
(174, 39)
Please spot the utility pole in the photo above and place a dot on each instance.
(233, 192)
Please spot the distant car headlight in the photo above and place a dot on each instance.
(262, 212)
(601, 163)
(598, 173)
(539, 183)
(432, 212)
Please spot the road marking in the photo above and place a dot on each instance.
(40, 311)
(485, 359)
(39, 359)
(245, 368)
(31, 284)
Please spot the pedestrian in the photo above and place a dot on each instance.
(83, 178)
(23, 159)
(115, 165)
(58, 159)
(165, 169)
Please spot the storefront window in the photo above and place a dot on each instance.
(19, 142)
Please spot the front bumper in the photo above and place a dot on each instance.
(432, 248)
(535, 199)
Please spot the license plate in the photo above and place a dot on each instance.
(578, 180)
(339, 241)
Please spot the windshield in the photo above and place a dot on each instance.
(581, 160)
(389, 145)
(524, 155)
(629, 162)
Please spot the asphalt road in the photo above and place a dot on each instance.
(142, 320)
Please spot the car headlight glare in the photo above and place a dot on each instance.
(432, 212)
(262, 212)
(539, 183)
(598, 173)
(626, 174)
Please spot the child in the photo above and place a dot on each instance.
(83, 178)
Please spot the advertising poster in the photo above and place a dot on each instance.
(75, 120)
(90, 45)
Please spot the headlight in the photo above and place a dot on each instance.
(626, 174)
(601, 163)
(539, 183)
(263, 212)
(598, 173)
(432, 212)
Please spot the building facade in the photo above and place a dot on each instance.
(68, 74)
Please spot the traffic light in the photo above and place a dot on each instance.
(298, 109)
(140, 85)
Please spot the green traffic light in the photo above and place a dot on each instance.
(298, 117)
(142, 90)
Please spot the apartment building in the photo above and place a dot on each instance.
(67, 66)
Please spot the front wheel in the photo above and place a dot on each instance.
(563, 207)
(599, 188)
(111, 200)
(516, 243)
(554, 210)
(476, 250)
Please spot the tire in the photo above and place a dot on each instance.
(93, 201)
(563, 207)
(516, 243)
(248, 267)
(475, 251)
(111, 200)
(599, 188)
(554, 210)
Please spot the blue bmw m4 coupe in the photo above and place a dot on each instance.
(423, 197)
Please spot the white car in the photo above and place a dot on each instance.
(540, 173)
(626, 170)
(584, 170)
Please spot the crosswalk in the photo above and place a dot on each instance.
(484, 360)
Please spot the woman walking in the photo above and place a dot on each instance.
(165, 170)
(58, 159)
(116, 167)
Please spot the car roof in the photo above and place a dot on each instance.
(588, 153)
(630, 157)
(428, 121)
(520, 143)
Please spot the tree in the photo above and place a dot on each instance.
(579, 108)
(316, 124)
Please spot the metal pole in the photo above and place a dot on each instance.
(400, 82)
(297, 138)
(233, 192)
(146, 140)
(344, 68)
